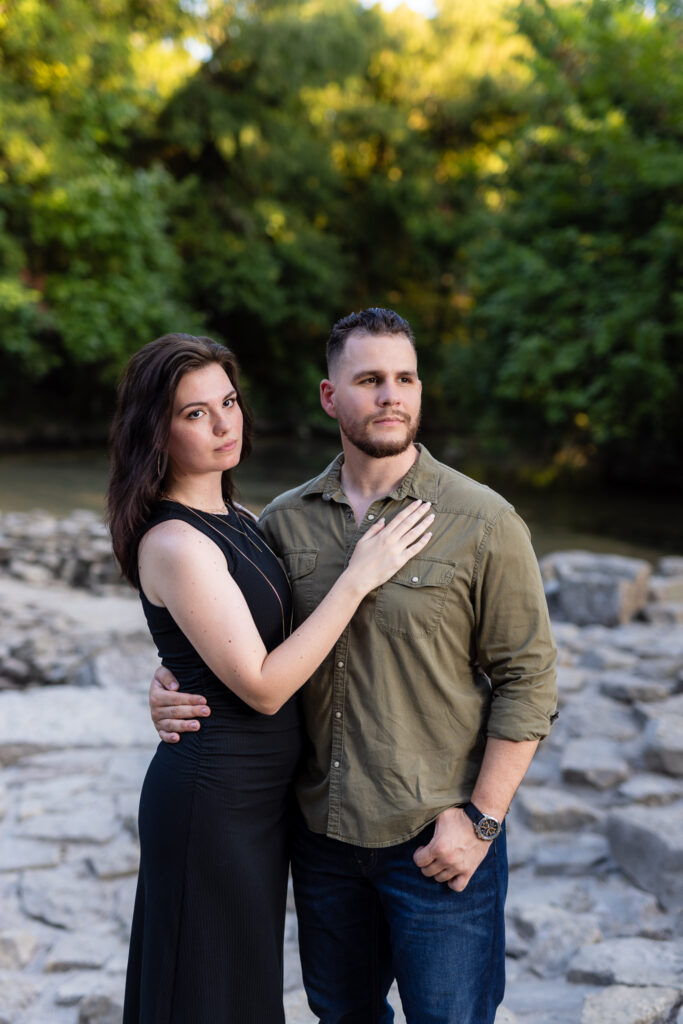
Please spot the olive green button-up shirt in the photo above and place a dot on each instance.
(398, 714)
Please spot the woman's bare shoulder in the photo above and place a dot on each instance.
(174, 539)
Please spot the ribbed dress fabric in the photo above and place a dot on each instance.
(208, 925)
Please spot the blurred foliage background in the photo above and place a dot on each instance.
(507, 176)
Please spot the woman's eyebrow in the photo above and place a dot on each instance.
(231, 394)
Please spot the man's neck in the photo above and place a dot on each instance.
(366, 479)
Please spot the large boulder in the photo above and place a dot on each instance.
(585, 588)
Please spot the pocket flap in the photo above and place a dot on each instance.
(300, 563)
(425, 572)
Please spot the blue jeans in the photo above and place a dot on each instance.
(369, 915)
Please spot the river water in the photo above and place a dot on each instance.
(598, 519)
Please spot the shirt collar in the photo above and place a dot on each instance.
(421, 480)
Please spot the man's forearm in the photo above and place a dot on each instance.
(504, 766)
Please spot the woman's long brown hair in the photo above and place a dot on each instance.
(140, 430)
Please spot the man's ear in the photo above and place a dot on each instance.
(327, 398)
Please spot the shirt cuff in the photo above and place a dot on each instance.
(512, 719)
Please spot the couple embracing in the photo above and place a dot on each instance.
(407, 597)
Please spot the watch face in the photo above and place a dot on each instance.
(487, 827)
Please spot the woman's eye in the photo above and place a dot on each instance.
(195, 414)
(228, 403)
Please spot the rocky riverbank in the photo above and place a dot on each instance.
(595, 908)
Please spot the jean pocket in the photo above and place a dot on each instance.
(411, 604)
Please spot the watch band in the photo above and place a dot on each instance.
(485, 826)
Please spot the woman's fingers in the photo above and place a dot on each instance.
(417, 531)
(408, 517)
(417, 545)
(374, 529)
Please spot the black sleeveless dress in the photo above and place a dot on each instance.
(207, 934)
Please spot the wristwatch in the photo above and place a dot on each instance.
(486, 827)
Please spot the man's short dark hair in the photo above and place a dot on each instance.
(369, 321)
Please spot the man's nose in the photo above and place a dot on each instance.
(388, 395)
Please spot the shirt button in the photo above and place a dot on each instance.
(371, 517)
(336, 764)
(414, 579)
(337, 714)
(340, 664)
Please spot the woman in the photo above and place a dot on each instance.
(208, 925)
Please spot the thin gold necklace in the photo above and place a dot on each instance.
(243, 523)
(227, 509)
(244, 555)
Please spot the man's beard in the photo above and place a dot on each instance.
(356, 433)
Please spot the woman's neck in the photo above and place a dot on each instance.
(205, 494)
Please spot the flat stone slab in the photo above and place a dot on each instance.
(17, 948)
(72, 716)
(127, 666)
(554, 935)
(99, 1009)
(604, 658)
(56, 795)
(17, 993)
(628, 687)
(117, 859)
(639, 962)
(85, 950)
(647, 844)
(664, 613)
(574, 855)
(64, 898)
(18, 854)
(670, 565)
(666, 588)
(624, 1004)
(92, 985)
(570, 680)
(600, 765)
(543, 1001)
(92, 822)
(547, 810)
(587, 587)
(119, 613)
(651, 789)
(672, 707)
(664, 745)
(601, 717)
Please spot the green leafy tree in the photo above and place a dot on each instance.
(88, 268)
(577, 271)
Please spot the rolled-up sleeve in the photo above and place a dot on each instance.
(514, 638)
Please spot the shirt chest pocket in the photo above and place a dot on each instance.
(411, 604)
(300, 566)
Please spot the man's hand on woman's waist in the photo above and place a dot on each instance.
(174, 712)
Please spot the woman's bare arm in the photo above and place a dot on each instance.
(186, 572)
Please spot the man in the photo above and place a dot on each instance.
(413, 754)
